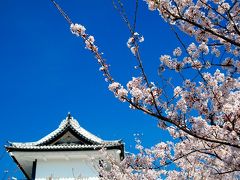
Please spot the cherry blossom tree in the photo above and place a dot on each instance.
(202, 112)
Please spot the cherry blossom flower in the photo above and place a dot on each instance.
(177, 51)
(77, 29)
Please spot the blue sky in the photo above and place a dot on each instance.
(45, 72)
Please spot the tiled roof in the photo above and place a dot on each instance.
(63, 147)
(67, 124)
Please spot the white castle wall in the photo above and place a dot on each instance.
(66, 169)
(70, 165)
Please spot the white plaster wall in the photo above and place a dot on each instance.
(65, 165)
(66, 169)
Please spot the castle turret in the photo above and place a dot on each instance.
(69, 152)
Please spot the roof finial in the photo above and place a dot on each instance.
(69, 116)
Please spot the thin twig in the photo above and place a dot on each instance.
(62, 12)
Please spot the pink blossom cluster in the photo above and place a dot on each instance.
(209, 21)
(141, 93)
(118, 90)
(132, 42)
(78, 29)
(89, 40)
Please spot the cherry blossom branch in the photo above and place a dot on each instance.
(135, 47)
(180, 17)
(79, 30)
(135, 15)
(181, 127)
(62, 12)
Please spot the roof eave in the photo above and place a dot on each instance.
(18, 164)
(39, 148)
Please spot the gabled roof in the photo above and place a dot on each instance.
(69, 135)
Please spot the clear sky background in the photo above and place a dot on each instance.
(45, 72)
